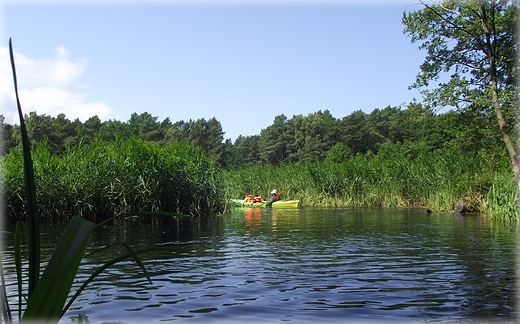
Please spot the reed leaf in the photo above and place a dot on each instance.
(18, 265)
(82, 318)
(5, 310)
(132, 253)
(54, 285)
(30, 189)
(108, 264)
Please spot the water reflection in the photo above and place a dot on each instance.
(253, 216)
(307, 265)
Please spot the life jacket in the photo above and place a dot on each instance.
(258, 199)
(277, 197)
(249, 198)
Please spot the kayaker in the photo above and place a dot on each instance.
(274, 197)
(248, 199)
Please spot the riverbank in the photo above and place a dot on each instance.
(437, 182)
(102, 180)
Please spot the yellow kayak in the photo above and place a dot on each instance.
(276, 204)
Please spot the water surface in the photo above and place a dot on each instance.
(307, 265)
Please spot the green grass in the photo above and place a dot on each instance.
(102, 180)
(502, 199)
(434, 181)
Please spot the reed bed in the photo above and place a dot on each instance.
(102, 180)
(434, 181)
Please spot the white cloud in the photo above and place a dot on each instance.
(46, 86)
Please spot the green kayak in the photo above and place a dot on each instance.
(276, 204)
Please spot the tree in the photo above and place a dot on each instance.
(62, 130)
(90, 129)
(359, 134)
(476, 41)
(207, 134)
(410, 124)
(338, 153)
(273, 142)
(112, 129)
(38, 127)
(5, 136)
(146, 127)
(244, 152)
(312, 136)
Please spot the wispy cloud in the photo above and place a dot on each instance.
(48, 86)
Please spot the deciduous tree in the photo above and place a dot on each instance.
(476, 42)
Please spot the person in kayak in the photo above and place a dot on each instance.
(248, 199)
(274, 197)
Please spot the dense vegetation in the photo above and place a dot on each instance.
(315, 137)
(101, 180)
(396, 156)
(390, 157)
(391, 179)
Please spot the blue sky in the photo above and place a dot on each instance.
(243, 64)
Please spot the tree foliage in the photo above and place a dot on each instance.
(475, 42)
(315, 137)
(312, 136)
(273, 141)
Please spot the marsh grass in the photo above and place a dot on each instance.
(502, 199)
(390, 179)
(102, 180)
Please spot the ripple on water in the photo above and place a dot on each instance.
(308, 266)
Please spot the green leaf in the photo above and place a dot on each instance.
(131, 252)
(5, 310)
(30, 191)
(138, 261)
(18, 265)
(110, 263)
(54, 285)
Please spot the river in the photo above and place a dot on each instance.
(304, 265)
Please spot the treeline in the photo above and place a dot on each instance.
(61, 133)
(391, 157)
(315, 137)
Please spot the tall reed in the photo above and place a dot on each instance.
(102, 180)
(390, 179)
(502, 199)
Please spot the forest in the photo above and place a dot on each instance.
(392, 157)
(316, 137)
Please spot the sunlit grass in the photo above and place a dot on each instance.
(102, 180)
(436, 182)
